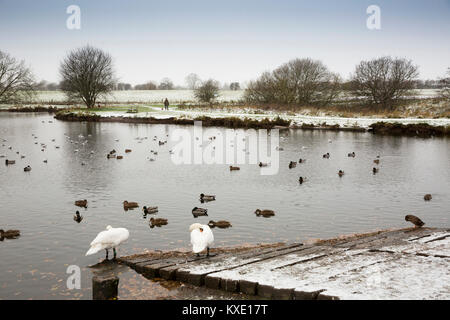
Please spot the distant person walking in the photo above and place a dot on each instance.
(166, 104)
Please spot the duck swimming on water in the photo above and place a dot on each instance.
(219, 224)
(264, 213)
(81, 203)
(196, 212)
(9, 234)
(77, 217)
(148, 210)
(205, 197)
(157, 222)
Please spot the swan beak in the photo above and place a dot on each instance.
(201, 229)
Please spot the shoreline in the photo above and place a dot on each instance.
(392, 127)
(421, 129)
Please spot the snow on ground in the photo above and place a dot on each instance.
(296, 119)
(143, 96)
(392, 272)
(174, 96)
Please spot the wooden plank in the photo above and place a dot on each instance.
(186, 274)
(169, 272)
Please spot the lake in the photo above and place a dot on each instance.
(40, 203)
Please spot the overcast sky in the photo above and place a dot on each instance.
(232, 40)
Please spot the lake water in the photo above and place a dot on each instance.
(40, 203)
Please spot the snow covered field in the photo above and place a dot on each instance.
(174, 96)
(296, 119)
(142, 96)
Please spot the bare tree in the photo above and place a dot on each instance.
(87, 73)
(166, 84)
(192, 81)
(235, 86)
(299, 81)
(151, 85)
(445, 91)
(385, 80)
(123, 86)
(16, 80)
(208, 91)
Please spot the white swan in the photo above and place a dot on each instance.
(110, 238)
(201, 238)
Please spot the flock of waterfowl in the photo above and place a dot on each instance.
(201, 235)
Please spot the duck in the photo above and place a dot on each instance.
(113, 151)
(127, 150)
(352, 154)
(119, 157)
(301, 160)
(148, 210)
(427, 197)
(81, 203)
(374, 170)
(262, 164)
(234, 168)
(219, 224)
(301, 180)
(340, 173)
(377, 161)
(196, 212)
(414, 220)
(130, 205)
(264, 213)
(110, 238)
(77, 217)
(8, 162)
(201, 238)
(109, 156)
(204, 197)
(326, 155)
(27, 168)
(9, 234)
(292, 164)
(157, 222)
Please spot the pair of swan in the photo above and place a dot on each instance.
(201, 238)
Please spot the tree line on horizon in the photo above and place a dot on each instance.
(88, 73)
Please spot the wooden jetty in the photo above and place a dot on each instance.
(411, 263)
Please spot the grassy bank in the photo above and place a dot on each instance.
(419, 129)
(228, 122)
(49, 109)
